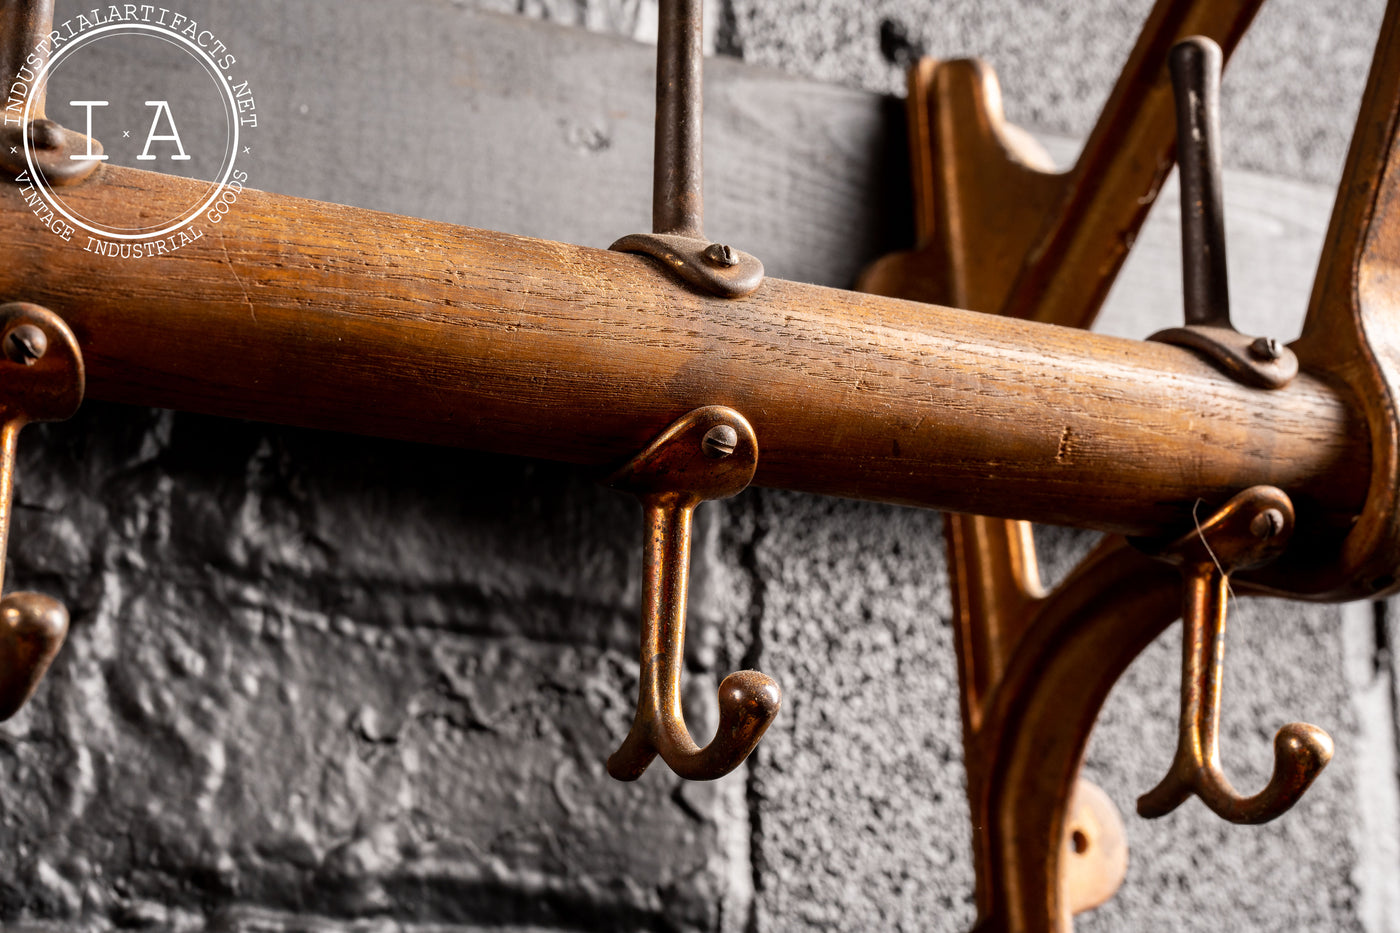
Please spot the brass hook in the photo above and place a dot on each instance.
(710, 453)
(41, 379)
(1250, 530)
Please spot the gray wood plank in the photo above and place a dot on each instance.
(1274, 231)
(1274, 228)
(506, 123)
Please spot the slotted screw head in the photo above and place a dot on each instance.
(1266, 348)
(719, 441)
(25, 343)
(1267, 523)
(721, 255)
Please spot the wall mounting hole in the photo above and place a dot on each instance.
(1080, 841)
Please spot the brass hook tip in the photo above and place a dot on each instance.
(1305, 749)
(1301, 751)
(749, 700)
(1169, 794)
(32, 629)
(630, 761)
(748, 703)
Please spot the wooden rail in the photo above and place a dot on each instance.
(313, 314)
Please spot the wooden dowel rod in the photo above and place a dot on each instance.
(314, 314)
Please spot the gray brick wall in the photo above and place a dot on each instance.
(337, 684)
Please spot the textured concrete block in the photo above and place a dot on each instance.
(1190, 869)
(319, 683)
(859, 783)
(314, 675)
(1289, 100)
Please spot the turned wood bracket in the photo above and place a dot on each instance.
(1001, 231)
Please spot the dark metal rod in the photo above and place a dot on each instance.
(22, 24)
(678, 191)
(1195, 66)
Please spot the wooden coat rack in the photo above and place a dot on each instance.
(683, 374)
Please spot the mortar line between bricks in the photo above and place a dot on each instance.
(753, 659)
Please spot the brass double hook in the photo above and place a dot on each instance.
(1250, 530)
(710, 453)
(41, 379)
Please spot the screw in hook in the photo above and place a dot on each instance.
(721, 255)
(25, 344)
(45, 134)
(720, 441)
(709, 453)
(1267, 524)
(1266, 348)
(1249, 531)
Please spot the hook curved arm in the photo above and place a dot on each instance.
(1251, 529)
(41, 379)
(711, 453)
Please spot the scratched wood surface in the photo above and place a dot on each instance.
(425, 331)
(546, 131)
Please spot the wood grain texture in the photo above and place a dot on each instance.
(315, 314)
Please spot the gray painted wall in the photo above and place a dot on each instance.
(328, 683)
